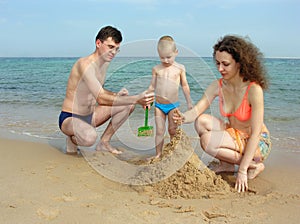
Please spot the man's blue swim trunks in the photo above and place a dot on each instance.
(166, 108)
(64, 115)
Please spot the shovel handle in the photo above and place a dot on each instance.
(146, 116)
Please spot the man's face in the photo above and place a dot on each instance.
(108, 48)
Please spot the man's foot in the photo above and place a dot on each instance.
(71, 147)
(252, 173)
(224, 168)
(105, 146)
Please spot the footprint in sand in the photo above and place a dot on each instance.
(67, 197)
(48, 213)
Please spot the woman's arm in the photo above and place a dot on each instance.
(209, 95)
(256, 100)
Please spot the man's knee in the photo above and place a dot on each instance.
(131, 108)
(89, 138)
(124, 110)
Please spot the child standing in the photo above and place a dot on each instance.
(166, 78)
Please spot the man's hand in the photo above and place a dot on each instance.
(148, 106)
(146, 98)
(123, 92)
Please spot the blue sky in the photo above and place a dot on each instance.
(68, 27)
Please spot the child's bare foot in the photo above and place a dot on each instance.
(252, 173)
(153, 158)
(224, 167)
(105, 146)
(71, 147)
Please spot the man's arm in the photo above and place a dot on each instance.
(108, 98)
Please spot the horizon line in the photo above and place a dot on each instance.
(271, 57)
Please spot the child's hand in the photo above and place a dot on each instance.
(178, 117)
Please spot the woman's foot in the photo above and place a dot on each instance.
(105, 146)
(224, 167)
(253, 172)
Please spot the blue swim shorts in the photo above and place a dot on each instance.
(166, 108)
(64, 115)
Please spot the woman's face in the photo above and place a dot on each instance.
(226, 65)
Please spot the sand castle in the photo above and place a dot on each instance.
(178, 174)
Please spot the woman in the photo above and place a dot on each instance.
(243, 138)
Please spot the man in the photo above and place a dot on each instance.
(88, 105)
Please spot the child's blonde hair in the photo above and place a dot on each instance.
(166, 41)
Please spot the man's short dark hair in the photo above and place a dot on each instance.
(109, 31)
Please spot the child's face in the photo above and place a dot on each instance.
(167, 56)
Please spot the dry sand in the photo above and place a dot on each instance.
(40, 184)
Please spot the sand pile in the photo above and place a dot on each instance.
(190, 182)
(193, 180)
(178, 174)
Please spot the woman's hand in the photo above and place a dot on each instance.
(178, 117)
(241, 183)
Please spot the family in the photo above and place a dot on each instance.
(241, 139)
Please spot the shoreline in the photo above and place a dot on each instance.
(40, 183)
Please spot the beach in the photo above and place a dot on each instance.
(41, 184)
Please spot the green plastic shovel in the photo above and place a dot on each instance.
(146, 130)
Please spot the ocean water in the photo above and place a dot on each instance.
(32, 91)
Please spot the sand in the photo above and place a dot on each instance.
(40, 184)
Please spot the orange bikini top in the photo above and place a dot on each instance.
(243, 113)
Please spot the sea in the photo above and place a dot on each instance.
(32, 91)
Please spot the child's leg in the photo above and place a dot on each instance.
(172, 126)
(160, 122)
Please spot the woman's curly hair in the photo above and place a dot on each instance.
(247, 55)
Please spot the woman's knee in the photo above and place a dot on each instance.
(202, 123)
(211, 142)
(208, 144)
(204, 141)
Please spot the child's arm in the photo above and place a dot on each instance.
(186, 89)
